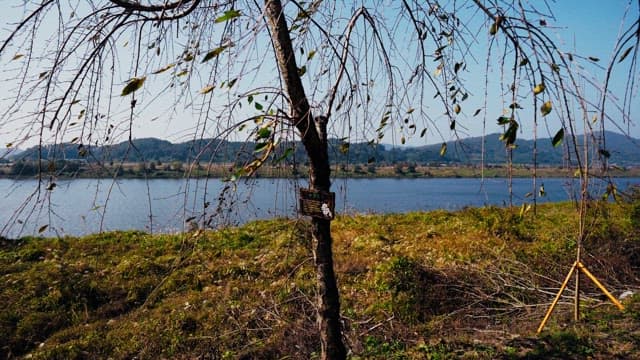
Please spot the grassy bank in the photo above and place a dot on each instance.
(435, 285)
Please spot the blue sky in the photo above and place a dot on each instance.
(588, 27)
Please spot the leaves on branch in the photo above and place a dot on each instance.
(228, 15)
(538, 89)
(17, 56)
(42, 229)
(344, 147)
(557, 138)
(443, 149)
(545, 109)
(215, 52)
(604, 153)
(496, 25)
(625, 54)
(264, 133)
(163, 69)
(509, 136)
(503, 120)
(457, 108)
(133, 85)
(288, 152)
(311, 54)
(207, 89)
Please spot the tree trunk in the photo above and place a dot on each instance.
(314, 138)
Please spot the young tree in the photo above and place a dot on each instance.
(270, 70)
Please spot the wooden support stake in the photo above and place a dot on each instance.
(584, 269)
(615, 301)
(555, 301)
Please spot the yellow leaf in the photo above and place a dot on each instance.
(457, 108)
(538, 89)
(443, 149)
(545, 109)
(163, 69)
(207, 89)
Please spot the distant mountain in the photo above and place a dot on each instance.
(622, 150)
(6, 153)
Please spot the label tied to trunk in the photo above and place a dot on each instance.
(317, 203)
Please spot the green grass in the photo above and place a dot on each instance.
(470, 284)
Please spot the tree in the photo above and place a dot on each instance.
(366, 69)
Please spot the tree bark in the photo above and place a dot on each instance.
(314, 138)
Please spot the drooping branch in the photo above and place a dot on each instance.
(131, 6)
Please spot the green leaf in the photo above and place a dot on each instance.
(311, 54)
(264, 133)
(496, 25)
(509, 136)
(557, 139)
(9, 145)
(214, 53)
(228, 15)
(503, 120)
(302, 70)
(493, 29)
(403, 140)
(258, 106)
(545, 109)
(443, 149)
(285, 155)
(625, 54)
(344, 147)
(524, 62)
(133, 85)
(261, 146)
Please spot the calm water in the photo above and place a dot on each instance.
(85, 206)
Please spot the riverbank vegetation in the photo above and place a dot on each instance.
(26, 169)
(470, 284)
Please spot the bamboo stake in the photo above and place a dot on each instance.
(555, 301)
(615, 301)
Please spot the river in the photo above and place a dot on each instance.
(84, 206)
